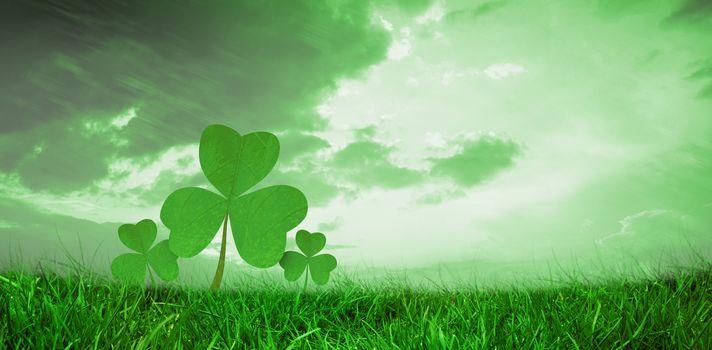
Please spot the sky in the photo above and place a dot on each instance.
(465, 135)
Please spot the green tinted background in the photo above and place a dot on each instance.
(479, 138)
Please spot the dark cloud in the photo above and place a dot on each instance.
(695, 15)
(365, 133)
(693, 11)
(317, 186)
(56, 156)
(478, 161)
(617, 9)
(473, 13)
(440, 196)
(293, 144)
(166, 182)
(183, 65)
(367, 164)
(703, 73)
(331, 225)
(300, 166)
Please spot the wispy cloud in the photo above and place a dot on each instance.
(499, 71)
(656, 232)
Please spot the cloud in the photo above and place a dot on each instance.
(179, 66)
(143, 172)
(302, 164)
(693, 11)
(400, 49)
(327, 172)
(368, 164)
(499, 71)
(477, 160)
(57, 157)
(434, 14)
(703, 72)
(659, 230)
(295, 144)
(440, 196)
(312, 180)
(472, 13)
(149, 179)
(332, 225)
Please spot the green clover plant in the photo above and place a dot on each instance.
(233, 164)
(132, 267)
(320, 266)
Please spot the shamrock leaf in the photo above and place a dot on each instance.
(233, 164)
(320, 266)
(131, 267)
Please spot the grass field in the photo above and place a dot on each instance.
(47, 311)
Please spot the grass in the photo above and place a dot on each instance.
(45, 310)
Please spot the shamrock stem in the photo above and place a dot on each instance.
(306, 279)
(150, 274)
(221, 262)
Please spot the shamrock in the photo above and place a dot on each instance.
(131, 267)
(234, 163)
(320, 266)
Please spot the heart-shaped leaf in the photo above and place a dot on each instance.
(260, 222)
(163, 261)
(294, 265)
(193, 215)
(320, 267)
(130, 268)
(234, 163)
(310, 243)
(138, 237)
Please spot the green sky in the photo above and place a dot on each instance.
(424, 133)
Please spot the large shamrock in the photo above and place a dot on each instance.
(320, 266)
(131, 267)
(233, 163)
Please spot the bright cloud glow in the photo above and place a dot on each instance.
(387, 25)
(434, 14)
(179, 160)
(499, 71)
(121, 121)
(399, 49)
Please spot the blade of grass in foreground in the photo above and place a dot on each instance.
(49, 311)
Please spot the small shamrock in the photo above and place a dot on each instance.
(131, 267)
(320, 266)
(260, 220)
